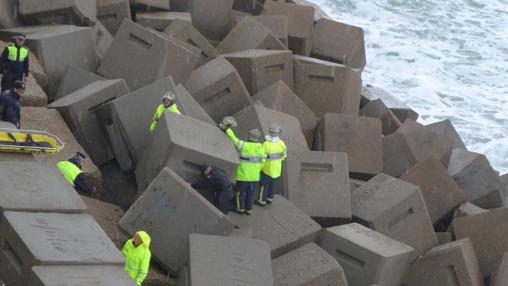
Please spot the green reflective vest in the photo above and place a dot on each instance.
(158, 114)
(276, 152)
(69, 171)
(252, 159)
(137, 259)
(13, 53)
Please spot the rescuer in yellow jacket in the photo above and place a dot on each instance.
(169, 104)
(137, 256)
(73, 173)
(252, 159)
(276, 152)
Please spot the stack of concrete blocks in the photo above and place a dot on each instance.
(282, 225)
(475, 175)
(501, 275)
(368, 257)
(150, 4)
(259, 117)
(161, 20)
(487, 232)
(327, 87)
(154, 56)
(444, 237)
(248, 6)
(170, 210)
(249, 34)
(300, 24)
(377, 109)
(211, 17)
(75, 79)
(8, 15)
(218, 88)
(184, 144)
(319, 13)
(78, 12)
(445, 127)
(339, 42)
(359, 137)
(223, 260)
(77, 109)
(102, 39)
(401, 111)
(103, 275)
(449, 264)
(440, 192)
(306, 266)
(396, 209)
(277, 24)
(111, 13)
(317, 183)
(467, 209)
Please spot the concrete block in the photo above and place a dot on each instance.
(34, 95)
(211, 17)
(228, 261)
(487, 232)
(355, 184)
(243, 232)
(475, 175)
(77, 109)
(359, 137)
(312, 266)
(102, 39)
(154, 55)
(277, 24)
(218, 88)
(504, 183)
(444, 237)
(253, 7)
(300, 24)
(327, 87)
(449, 264)
(189, 106)
(396, 209)
(318, 183)
(260, 117)
(180, 5)
(16, 157)
(249, 34)
(467, 209)
(398, 108)
(282, 225)
(170, 210)
(75, 79)
(377, 109)
(36, 187)
(318, 11)
(103, 275)
(39, 239)
(439, 190)
(161, 20)
(119, 148)
(368, 257)
(183, 144)
(445, 127)
(149, 4)
(8, 14)
(111, 13)
(501, 275)
(77, 12)
(339, 42)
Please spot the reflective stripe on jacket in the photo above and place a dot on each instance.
(252, 159)
(158, 114)
(137, 259)
(276, 152)
(69, 171)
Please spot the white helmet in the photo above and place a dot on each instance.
(274, 130)
(169, 95)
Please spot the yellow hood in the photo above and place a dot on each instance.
(145, 238)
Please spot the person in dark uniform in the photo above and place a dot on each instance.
(73, 173)
(11, 107)
(14, 64)
(216, 180)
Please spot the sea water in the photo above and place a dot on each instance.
(445, 59)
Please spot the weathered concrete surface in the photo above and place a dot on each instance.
(76, 12)
(170, 210)
(446, 127)
(111, 13)
(180, 5)
(440, 192)
(467, 209)
(501, 274)
(34, 95)
(398, 108)
(475, 175)
(368, 257)
(282, 225)
(103, 275)
(161, 20)
(306, 266)
(317, 183)
(396, 209)
(449, 264)
(75, 79)
(102, 39)
(36, 187)
(327, 87)
(444, 237)
(487, 232)
(211, 17)
(188, 106)
(319, 13)
(242, 232)
(377, 109)
(223, 260)
(8, 15)
(359, 137)
(277, 24)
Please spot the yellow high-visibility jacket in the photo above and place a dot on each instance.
(158, 114)
(137, 259)
(69, 171)
(276, 152)
(252, 159)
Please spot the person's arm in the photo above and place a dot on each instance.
(284, 152)
(202, 184)
(237, 142)
(156, 117)
(3, 61)
(26, 67)
(263, 159)
(143, 269)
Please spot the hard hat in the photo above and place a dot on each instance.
(229, 121)
(254, 135)
(20, 36)
(19, 85)
(169, 95)
(274, 130)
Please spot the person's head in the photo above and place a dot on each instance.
(206, 170)
(168, 99)
(19, 39)
(141, 238)
(136, 240)
(78, 158)
(274, 130)
(19, 87)
(254, 135)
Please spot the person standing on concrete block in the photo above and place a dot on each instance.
(73, 173)
(217, 181)
(10, 102)
(169, 104)
(137, 256)
(276, 152)
(14, 63)
(252, 160)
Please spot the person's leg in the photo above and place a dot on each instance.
(81, 185)
(261, 200)
(239, 197)
(270, 192)
(250, 194)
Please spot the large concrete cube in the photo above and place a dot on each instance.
(30, 239)
(104, 275)
(160, 20)
(504, 183)
(154, 56)
(8, 14)
(58, 11)
(368, 257)
(327, 87)
(339, 42)
(501, 275)
(170, 210)
(185, 32)
(487, 232)
(34, 95)
(277, 24)
(398, 108)
(211, 17)
(282, 225)
(183, 144)
(111, 13)
(75, 79)
(306, 266)
(377, 109)
(440, 192)
(228, 261)
(260, 117)
(396, 209)
(475, 175)
(218, 88)
(359, 137)
(102, 39)
(445, 127)
(449, 264)
(77, 109)
(318, 183)
(261, 68)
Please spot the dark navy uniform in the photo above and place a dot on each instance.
(218, 182)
